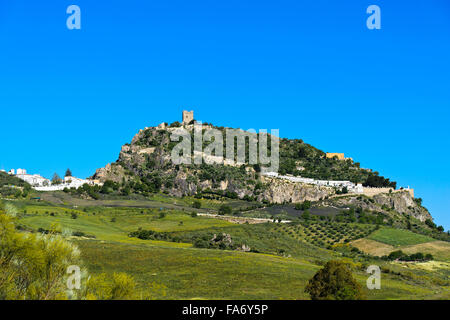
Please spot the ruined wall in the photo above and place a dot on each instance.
(340, 156)
(370, 192)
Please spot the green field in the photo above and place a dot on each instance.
(117, 223)
(188, 273)
(398, 237)
(283, 257)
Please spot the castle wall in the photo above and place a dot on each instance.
(340, 156)
(370, 192)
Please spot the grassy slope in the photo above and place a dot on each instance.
(188, 273)
(101, 225)
(439, 249)
(180, 271)
(373, 247)
(398, 237)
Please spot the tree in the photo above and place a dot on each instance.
(408, 225)
(225, 209)
(395, 255)
(334, 282)
(305, 205)
(306, 215)
(56, 179)
(430, 223)
(68, 173)
(197, 204)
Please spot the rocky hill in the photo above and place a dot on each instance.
(144, 166)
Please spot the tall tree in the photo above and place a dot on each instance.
(56, 179)
(68, 173)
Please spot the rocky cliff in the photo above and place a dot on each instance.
(397, 203)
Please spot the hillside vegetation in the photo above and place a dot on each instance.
(144, 167)
(173, 253)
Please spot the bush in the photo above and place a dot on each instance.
(334, 282)
(225, 209)
(34, 267)
(197, 204)
(306, 215)
(305, 205)
(399, 255)
(120, 287)
(78, 234)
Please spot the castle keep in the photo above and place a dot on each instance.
(188, 116)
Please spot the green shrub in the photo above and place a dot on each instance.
(334, 282)
(197, 204)
(225, 209)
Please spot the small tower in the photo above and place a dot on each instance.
(188, 116)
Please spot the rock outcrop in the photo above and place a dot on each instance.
(284, 191)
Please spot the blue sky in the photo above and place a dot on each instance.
(71, 98)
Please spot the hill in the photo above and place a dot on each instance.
(11, 186)
(144, 167)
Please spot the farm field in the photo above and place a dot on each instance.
(325, 234)
(439, 249)
(398, 237)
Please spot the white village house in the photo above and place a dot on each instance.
(40, 183)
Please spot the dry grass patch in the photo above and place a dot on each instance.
(439, 249)
(372, 247)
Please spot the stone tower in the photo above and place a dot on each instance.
(188, 116)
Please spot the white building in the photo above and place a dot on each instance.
(69, 182)
(35, 180)
(42, 184)
(351, 187)
(73, 182)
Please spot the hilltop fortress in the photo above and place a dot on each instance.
(138, 151)
(352, 188)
